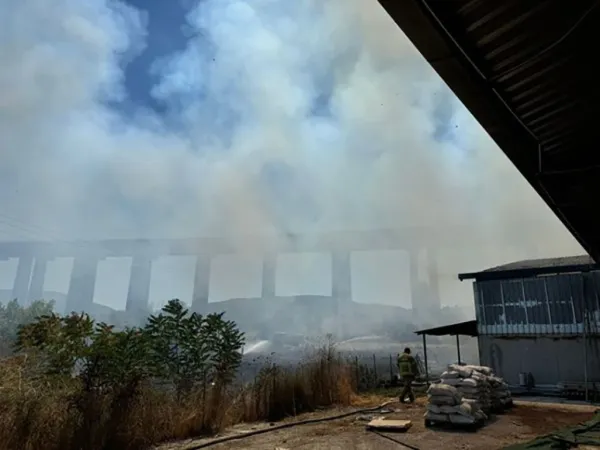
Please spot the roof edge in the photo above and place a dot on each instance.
(468, 328)
(526, 272)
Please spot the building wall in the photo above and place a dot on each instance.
(556, 305)
(550, 359)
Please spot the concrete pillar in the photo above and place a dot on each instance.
(269, 276)
(21, 284)
(341, 290)
(416, 291)
(36, 289)
(81, 287)
(201, 284)
(341, 276)
(139, 285)
(434, 284)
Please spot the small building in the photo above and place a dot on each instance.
(540, 317)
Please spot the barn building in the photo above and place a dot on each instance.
(540, 317)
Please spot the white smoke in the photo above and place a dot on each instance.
(239, 148)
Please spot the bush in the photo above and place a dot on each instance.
(77, 384)
(13, 315)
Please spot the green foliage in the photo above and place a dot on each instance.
(191, 349)
(177, 350)
(109, 369)
(81, 385)
(13, 315)
(62, 341)
(224, 343)
(174, 346)
(116, 359)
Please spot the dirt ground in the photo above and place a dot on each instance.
(526, 421)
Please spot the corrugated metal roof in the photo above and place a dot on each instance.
(534, 267)
(544, 263)
(526, 71)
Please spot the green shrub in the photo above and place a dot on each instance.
(79, 385)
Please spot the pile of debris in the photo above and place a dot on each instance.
(448, 406)
(472, 382)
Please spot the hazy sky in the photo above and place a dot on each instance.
(228, 117)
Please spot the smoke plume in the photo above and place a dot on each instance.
(277, 116)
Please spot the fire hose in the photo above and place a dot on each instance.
(301, 422)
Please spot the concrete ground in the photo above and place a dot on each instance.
(527, 420)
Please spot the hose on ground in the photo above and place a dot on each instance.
(286, 425)
(403, 444)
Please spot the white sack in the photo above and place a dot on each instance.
(463, 371)
(441, 390)
(469, 382)
(481, 369)
(459, 419)
(450, 374)
(462, 409)
(443, 400)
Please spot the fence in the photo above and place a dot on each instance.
(370, 369)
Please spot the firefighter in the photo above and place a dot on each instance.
(408, 370)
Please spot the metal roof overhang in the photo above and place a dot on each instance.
(527, 72)
(525, 273)
(468, 328)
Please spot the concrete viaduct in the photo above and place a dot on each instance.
(33, 257)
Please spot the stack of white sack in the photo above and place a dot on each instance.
(501, 397)
(471, 382)
(447, 405)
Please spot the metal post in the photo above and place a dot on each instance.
(458, 348)
(425, 358)
(391, 371)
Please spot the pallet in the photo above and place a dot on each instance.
(455, 426)
(389, 425)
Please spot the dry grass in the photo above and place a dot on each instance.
(322, 380)
(56, 414)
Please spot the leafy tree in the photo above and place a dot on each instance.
(13, 315)
(176, 351)
(98, 355)
(109, 365)
(225, 342)
(191, 349)
(116, 359)
(61, 341)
